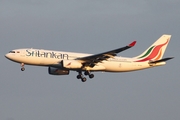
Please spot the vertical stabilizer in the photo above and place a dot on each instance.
(156, 50)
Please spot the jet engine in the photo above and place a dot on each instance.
(56, 71)
(71, 64)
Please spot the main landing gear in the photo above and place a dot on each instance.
(83, 79)
(22, 67)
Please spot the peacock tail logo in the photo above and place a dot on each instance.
(153, 52)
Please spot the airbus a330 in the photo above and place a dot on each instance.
(61, 62)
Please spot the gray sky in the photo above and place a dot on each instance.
(90, 26)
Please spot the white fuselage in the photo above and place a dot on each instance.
(40, 57)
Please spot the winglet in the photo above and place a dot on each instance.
(132, 44)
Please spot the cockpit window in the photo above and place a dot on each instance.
(12, 52)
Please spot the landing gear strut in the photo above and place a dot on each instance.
(22, 67)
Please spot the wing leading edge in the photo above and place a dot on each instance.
(92, 60)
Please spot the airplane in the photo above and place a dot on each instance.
(61, 63)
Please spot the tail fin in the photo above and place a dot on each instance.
(156, 50)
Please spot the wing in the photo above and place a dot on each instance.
(92, 60)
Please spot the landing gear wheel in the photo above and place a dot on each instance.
(83, 79)
(22, 69)
(91, 76)
(79, 76)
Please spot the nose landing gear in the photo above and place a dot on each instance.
(22, 67)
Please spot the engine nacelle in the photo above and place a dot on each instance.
(56, 71)
(71, 64)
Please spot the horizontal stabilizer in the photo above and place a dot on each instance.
(161, 60)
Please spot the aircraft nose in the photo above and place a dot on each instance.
(7, 55)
